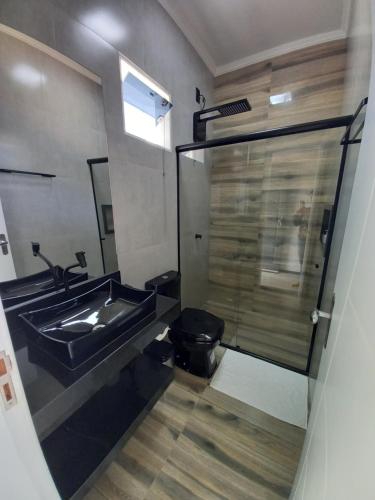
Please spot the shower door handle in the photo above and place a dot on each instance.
(316, 314)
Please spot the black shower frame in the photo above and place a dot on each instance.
(331, 123)
(90, 162)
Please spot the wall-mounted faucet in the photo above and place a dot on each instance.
(36, 252)
(80, 256)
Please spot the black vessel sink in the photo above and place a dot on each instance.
(75, 329)
(20, 290)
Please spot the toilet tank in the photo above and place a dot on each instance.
(167, 284)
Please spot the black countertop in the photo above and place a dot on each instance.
(54, 392)
(80, 449)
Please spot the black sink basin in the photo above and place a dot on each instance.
(75, 329)
(20, 290)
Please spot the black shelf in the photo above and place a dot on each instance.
(79, 450)
(25, 172)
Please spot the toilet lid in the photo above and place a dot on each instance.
(197, 325)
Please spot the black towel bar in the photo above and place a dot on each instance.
(24, 172)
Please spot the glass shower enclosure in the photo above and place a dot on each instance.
(255, 221)
(102, 198)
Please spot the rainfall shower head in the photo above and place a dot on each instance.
(234, 108)
(200, 118)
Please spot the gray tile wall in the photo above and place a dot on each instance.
(195, 184)
(143, 192)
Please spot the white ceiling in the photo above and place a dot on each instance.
(230, 34)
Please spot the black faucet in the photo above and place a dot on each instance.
(80, 256)
(36, 252)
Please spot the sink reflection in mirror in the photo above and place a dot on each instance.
(15, 291)
(49, 194)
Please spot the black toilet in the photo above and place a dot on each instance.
(195, 334)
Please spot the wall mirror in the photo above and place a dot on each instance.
(54, 170)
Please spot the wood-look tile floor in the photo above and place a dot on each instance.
(199, 443)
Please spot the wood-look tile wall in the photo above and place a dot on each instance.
(258, 193)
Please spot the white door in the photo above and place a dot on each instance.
(23, 470)
(7, 271)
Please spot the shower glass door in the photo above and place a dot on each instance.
(268, 211)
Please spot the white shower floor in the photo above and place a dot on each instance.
(279, 392)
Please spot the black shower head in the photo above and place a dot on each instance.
(227, 109)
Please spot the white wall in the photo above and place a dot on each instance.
(338, 456)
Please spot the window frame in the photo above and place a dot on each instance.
(145, 78)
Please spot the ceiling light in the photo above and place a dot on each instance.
(28, 75)
(281, 98)
(105, 25)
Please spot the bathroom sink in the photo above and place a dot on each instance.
(20, 290)
(75, 329)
